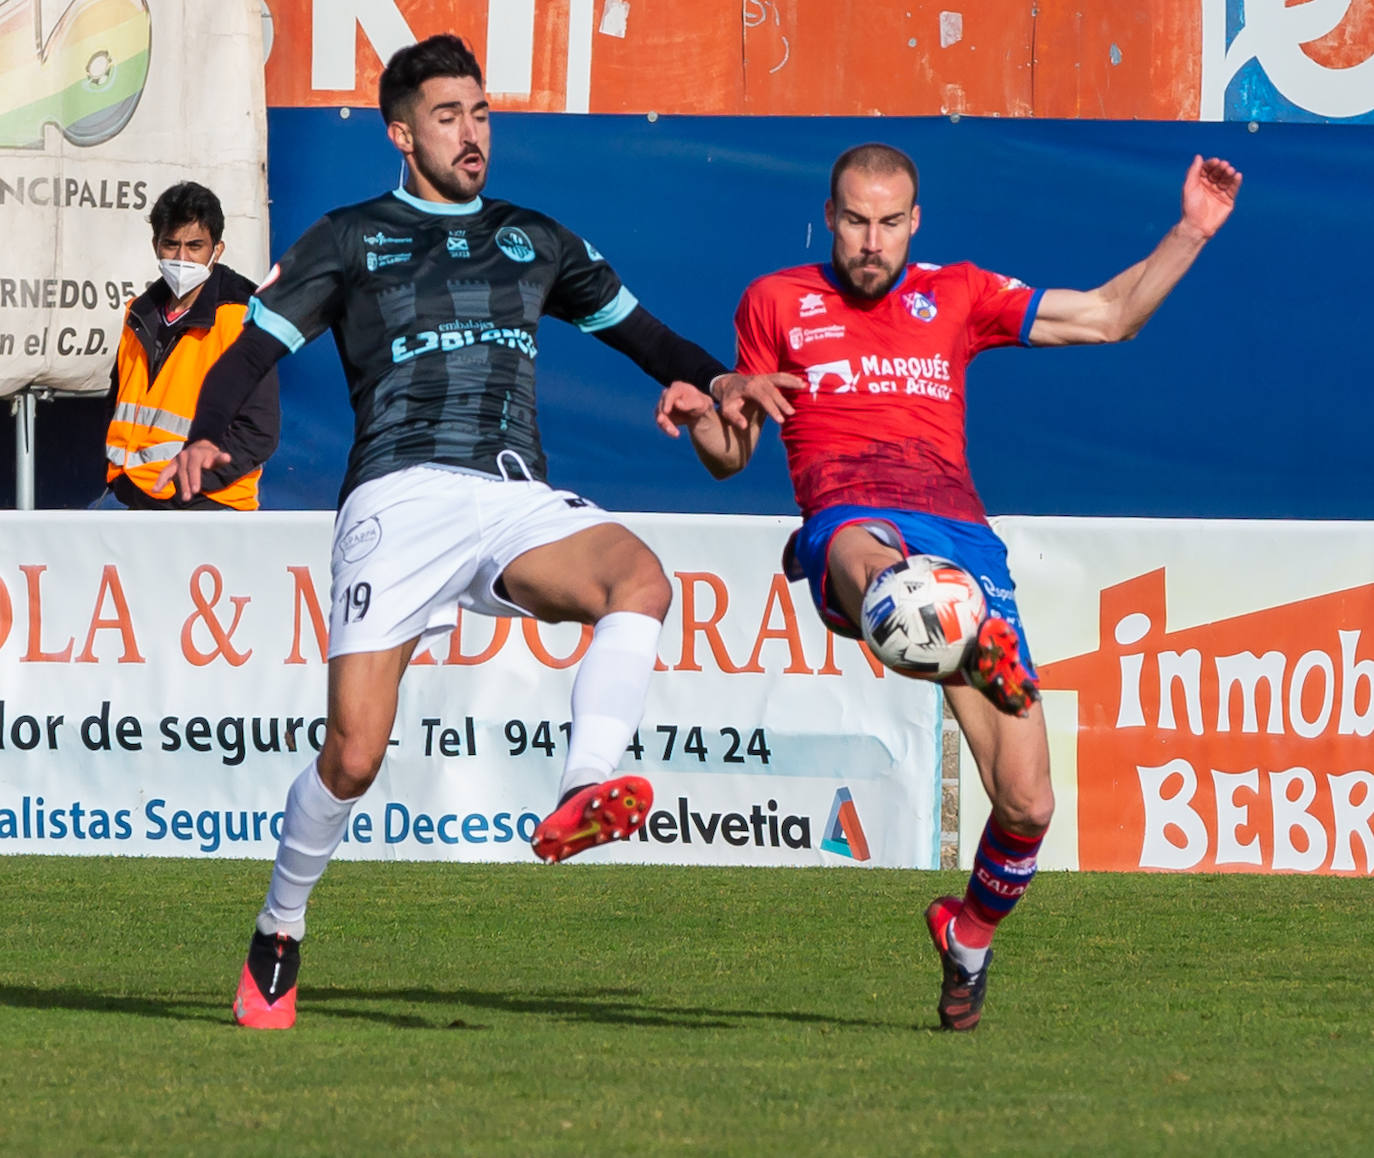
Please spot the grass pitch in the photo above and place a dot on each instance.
(602, 1010)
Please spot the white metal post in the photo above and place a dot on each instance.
(24, 407)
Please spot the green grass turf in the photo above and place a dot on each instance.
(583, 1009)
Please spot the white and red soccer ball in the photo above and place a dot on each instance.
(921, 616)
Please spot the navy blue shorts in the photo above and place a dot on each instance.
(974, 546)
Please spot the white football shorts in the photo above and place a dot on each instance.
(414, 546)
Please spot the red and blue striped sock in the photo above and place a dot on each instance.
(1002, 871)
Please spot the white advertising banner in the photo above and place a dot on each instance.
(103, 105)
(162, 682)
(1209, 692)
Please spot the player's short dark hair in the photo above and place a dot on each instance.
(410, 67)
(187, 203)
(873, 158)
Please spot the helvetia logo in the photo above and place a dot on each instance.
(844, 835)
(763, 826)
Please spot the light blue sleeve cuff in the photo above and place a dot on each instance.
(619, 308)
(279, 327)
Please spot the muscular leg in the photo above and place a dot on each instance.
(362, 708)
(1012, 754)
(607, 577)
(855, 560)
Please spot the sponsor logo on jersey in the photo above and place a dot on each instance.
(919, 306)
(410, 346)
(798, 336)
(811, 305)
(592, 251)
(926, 377)
(935, 368)
(360, 540)
(380, 238)
(376, 261)
(458, 243)
(515, 243)
(833, 377)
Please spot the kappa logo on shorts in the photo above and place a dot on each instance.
(579, 502)
(515, 244)
(360, 540)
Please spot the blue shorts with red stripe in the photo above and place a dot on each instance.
(974, 546)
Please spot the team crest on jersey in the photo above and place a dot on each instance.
(811, 305)
(515, 243)
(919, 306)
(458, 243)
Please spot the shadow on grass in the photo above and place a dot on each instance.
(599, 1006)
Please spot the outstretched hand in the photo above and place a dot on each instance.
(680, 404)
(739, 394)
(186, 467)
(1209, 194)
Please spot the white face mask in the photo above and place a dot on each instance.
(183, 276)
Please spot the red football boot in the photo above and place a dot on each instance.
(994, 667)
(267, 986)
(594, 815)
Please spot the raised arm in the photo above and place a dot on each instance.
(1115, 311)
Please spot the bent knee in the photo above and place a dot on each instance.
(1025, 813)
(348, 768)
(644, 589)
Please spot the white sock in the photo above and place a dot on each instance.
(314, 824)
(608, 696)
(970, 960)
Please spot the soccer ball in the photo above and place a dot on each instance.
(921, 616)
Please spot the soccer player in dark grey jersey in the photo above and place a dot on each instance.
(434, 294)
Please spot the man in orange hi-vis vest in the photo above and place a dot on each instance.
(173, 333)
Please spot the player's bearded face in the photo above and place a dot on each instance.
(451, 136)
(872, 218)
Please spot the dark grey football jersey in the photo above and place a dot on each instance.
(435, 310)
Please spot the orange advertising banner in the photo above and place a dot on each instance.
(1209, 690)
(770, 57)
(1270, 60)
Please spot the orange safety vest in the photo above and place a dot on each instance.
(151, 420)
